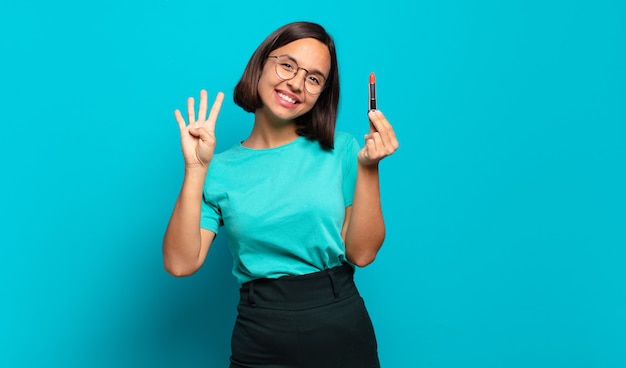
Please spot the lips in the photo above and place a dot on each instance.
(287, 98)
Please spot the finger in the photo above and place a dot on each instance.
(191, 114)
(370, 142)
(377, 119)
(391, 142)
(179, 119)
(203, 135)
(215, 110)
(378, 144)
(198, 133)
(390, 135)
(369, 148)
(384, 128)
(372, 128)
(203, 106)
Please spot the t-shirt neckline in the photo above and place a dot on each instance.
(288, 144)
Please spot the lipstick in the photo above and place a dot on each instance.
(372, 92)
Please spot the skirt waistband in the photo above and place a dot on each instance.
(300, 292)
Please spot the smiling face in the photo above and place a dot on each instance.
(285, 100)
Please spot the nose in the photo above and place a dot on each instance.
(296, 82)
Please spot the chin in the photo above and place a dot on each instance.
(287, 114)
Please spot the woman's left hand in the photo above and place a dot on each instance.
(380, 142)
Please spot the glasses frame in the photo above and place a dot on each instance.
(277, 57)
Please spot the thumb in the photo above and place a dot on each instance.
(198, 132)
(202, 135)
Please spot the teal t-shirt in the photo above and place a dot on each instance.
(282, 208)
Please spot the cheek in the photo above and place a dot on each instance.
(268, 77)
(266, 85)
(264, 88)
(262, 82)
(311, 100)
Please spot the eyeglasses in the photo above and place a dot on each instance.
(287, 68)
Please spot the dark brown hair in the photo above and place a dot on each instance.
(317, 124)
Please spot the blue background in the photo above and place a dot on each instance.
(505, 205)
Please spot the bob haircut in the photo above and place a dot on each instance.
(317, 124)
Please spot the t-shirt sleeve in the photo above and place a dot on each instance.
(350, 152)
(210, 215)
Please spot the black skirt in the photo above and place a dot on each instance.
(317, 320)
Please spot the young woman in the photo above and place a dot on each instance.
(300, 205)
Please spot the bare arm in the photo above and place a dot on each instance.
(364, 227)
(185, 244)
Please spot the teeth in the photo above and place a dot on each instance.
(287, 98)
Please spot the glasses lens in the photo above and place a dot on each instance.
(314, 83)
(286, 68)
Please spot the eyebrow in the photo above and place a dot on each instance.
(312, 71)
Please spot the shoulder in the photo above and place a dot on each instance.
(224, 163)
(344, 140)
(228, 154)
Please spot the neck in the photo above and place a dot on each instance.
(269, 134)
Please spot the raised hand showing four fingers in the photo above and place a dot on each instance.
(380, 142)
(198, 137)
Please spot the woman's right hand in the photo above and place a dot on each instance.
(198, 137)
